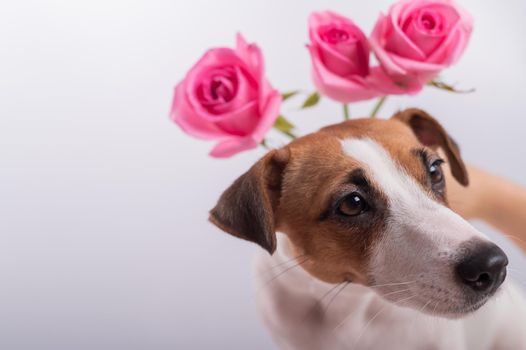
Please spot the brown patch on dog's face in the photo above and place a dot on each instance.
(320, 178)
(317, 181)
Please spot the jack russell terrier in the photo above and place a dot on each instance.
(369, 253)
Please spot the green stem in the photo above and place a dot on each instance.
(346, 115)
(378, 106)
(451, 88)
(289, 134)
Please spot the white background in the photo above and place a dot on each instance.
(104, 240)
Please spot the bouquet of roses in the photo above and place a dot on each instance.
(226, 96)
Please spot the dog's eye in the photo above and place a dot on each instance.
(435, 171)
(352, 205)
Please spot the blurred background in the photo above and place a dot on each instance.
(104, 239)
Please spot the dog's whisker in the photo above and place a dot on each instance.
(435, 322)
(520, 281)
(514, 270)
(510, 297)
(435, 308)
(347, 317)
(281, 273)
(367, 325)
(421, 313)
(271, 270)
(334, 297)
(396, 292)
(515, 238)
(406, 299)
(518, 277)
(286, 262)
(320, 301)
(391, 284)
(374, 317)
(342, 322)
(518, 274)
(425, 305)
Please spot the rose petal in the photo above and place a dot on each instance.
(376, 41)
(397, 40)
(240, 122)
(413, 67)
(454, 45)
(338, 63)
(189, 121)
(380, 81)
(246, 91)
(344, 58)
(345, 90)
(252, 54)
(447, 18)
(230, 146)
(213, 58)
(268, 117)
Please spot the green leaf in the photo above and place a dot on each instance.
(448, 87)
(286, 95)
(312, 100)
(282, 124)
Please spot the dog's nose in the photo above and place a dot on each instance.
(484, 269)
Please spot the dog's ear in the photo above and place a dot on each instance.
(430, 133)
(247, 208)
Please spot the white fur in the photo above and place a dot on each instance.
(358, 318)
(415, 258)
(423, 237)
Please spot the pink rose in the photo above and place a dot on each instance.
(226, 97)
(419, 38)
(340, 58)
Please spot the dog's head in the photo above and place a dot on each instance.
(366, 201)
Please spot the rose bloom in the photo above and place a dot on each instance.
(340, 58)
(419, 38)
(226, 97)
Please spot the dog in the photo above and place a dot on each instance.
(369, 254)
